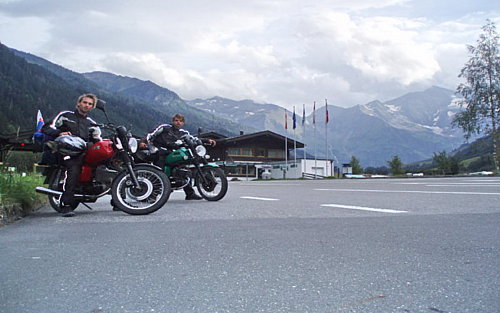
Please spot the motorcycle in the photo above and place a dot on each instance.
(109, 168)
(187, 163)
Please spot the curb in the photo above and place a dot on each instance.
(12, 212)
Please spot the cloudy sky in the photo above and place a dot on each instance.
(285, 52)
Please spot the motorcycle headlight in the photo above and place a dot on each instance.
(201, 150)
(132, 143)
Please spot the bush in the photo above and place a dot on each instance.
(16, 189)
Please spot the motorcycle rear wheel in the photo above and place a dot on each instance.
(57, 184)
(154, 193)
(215, 187)
(55, 204)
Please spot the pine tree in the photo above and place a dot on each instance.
(481, 91)
(356, 166)
(396, 166)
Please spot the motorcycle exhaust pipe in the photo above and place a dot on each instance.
(48, 191)
(55, 193)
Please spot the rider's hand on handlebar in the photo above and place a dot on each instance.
(210, 142)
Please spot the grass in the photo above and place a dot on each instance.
(18, 189)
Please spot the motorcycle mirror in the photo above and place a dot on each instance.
(100, 105)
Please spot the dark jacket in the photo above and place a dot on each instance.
(75, 123)
(165, 136)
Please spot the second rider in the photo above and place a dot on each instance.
(165, 136)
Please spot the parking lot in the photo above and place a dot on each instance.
(367, 245)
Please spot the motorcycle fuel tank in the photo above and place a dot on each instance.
(100, 151)
(177, 156)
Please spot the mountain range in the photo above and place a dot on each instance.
(413, 126)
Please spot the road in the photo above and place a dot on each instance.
(379, 245)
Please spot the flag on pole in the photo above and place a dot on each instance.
(314, 113)
(303, 114)
(286, 120)
(326, 117)
(39, 121)
(38, 136)
(294, 119)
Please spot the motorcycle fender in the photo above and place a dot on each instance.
(143, 164)
(150, 165)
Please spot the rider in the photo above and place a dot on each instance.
(165, 136)
(75, 123)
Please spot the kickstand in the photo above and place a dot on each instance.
(86, 206)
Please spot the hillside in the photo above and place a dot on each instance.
(34, 83)
(472, 157)
(166, 102)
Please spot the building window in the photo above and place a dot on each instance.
(276, 153)
(233, 151)
(260, 152)
(241, 170)
(246, 151)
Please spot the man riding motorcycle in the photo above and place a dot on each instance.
(165, 136)
(73, 123)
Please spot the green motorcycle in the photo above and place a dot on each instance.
(189, 164)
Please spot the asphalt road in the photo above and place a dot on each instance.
(389, 245)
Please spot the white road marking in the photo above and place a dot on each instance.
(463, 185)
(268, 184)
(415, 191)
(258, 198)
(470, 183)
(361, 208)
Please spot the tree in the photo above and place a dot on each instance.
(442, 162)
(447, 165)
(356, 166)
(396, 166)
(454, 165)
(481, 90)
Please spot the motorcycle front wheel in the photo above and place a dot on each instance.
(153, 193)
(214, 185)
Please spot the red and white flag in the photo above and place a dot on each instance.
(286, 120)
(326, 109)
(314, 113)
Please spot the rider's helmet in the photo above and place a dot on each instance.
(70, 145)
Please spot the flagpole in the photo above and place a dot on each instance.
(315, 143)
(326, 134)
(304, 126)
(286, 145)
(294, 141)
(294, 150)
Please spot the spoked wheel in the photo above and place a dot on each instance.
(213, 186)
(153, 192)
(56, 204)
(57, 181)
